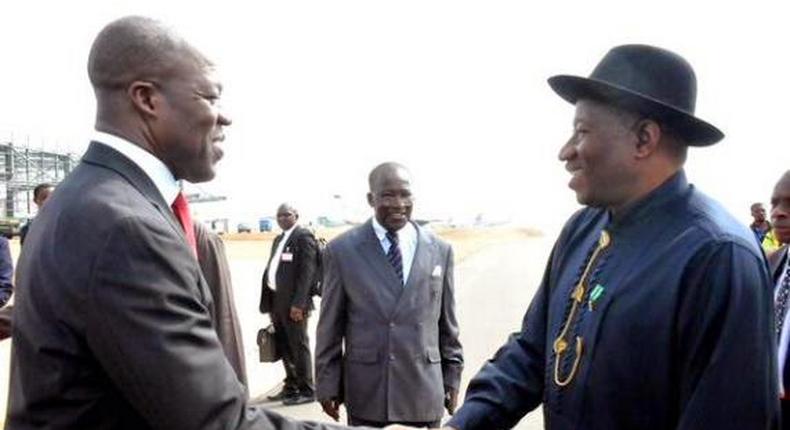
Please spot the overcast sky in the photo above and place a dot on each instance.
(321, 91)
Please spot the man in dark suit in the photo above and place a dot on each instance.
(654, 311)
(112, 327)
(285, 295)
(387, 341)
(780, 274)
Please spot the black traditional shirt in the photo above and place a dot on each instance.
(659, 318)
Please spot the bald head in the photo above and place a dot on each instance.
(137, 48)
(287, 216)
(384, 171)
(390, 195)
(157, 91)
(286, 207)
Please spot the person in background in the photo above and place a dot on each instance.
(779, 264)
(761, 226)
(387, 342)
(40, 195)
(286, 288)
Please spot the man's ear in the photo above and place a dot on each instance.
(648, 134)
(145, 97)
(370, 199)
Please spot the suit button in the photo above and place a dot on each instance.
(392, 325)
(392, 357)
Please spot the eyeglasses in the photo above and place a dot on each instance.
(561, 343)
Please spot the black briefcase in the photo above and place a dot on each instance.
(267, 346)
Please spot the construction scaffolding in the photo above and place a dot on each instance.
(21, 169)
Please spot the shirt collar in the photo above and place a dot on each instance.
(288, 232)
(647, 205)
(153, 167)
(381, 232)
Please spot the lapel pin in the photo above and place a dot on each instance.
(595, 294)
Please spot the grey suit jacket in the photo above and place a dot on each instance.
(386, 350)
(111, 324)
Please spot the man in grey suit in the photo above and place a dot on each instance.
(112, 322)
(387, 341)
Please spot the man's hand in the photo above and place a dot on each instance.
(296, 314)
(450, 400)
(331, 407)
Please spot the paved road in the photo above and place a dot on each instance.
(494, 287)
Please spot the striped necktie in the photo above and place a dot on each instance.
(780, 307)
(394, 256)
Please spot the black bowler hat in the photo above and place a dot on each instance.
(648, 80)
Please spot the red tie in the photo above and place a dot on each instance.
(181, 209)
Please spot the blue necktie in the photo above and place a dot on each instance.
(394, 256)
(780, 307)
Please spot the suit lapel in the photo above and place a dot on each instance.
(370, 249)
(776, 262)
(99, 154)
(420, 268)
(275, 243)
(422, 259)
(294, 233)
(102, 155)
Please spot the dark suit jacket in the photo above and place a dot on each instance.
(111, 323)
(776, 262)
(214, 264)
(401, 343)
(295, 278)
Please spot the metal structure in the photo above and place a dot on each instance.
(21, 169)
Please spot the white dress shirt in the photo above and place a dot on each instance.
(275, 260)
(153, 167)
(784, 337)
(407, 238)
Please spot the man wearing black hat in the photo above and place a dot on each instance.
(655, 309)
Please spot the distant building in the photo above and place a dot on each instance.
(21, 169)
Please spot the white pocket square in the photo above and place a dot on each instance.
(437, 271)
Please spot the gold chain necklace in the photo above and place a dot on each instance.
(577, 296)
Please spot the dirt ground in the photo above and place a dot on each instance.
(465, 241)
